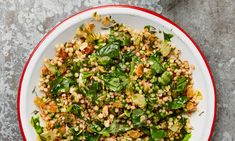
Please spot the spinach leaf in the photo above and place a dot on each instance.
(92, 137)
(167, 36)
(100, 42)
(114, 84)
(36, 124)
(156, 133)
(156, 65)
(92, 91)
(116, 81)
(111, 35)
(178, 102)
(136, 114)
(111, 50)
(105, 60)
(127, 113)
(61, 84)
(165, 79)
(83, 78)
(124, 38)
(75, 134)
(75, 67)
(150, 28)
(127, 56)
(75, 109)
(133, 63)
(181, 84)
(115, 128)
(187, 137)
(86, 74)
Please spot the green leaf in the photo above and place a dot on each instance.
(150, 28)
(114, 84)
(116, 80)
(156, 133)
(111, 50)
(178, 102)
(115, 128)
(165, 49)
(136, 114)
(139, 99)
(86, 74)
(75, 109)
(127, 56)
(167, 36)
(105, 60)
(156, 65)
(36, 124)
(133, 63)
(92, 91)
(165, 79)
(127, 113)
(100, 42)
(61, 84)
(187, 137)
(181, 84)
(92, 137)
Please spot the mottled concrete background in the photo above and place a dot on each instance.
(210, 22)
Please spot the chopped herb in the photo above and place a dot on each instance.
(167, 36)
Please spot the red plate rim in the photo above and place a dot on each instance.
(122, 6)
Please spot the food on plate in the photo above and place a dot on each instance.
(122, 85)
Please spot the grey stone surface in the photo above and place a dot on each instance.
(210, 22)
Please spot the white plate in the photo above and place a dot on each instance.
(137, 18)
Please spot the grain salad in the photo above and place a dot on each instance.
(121, 85)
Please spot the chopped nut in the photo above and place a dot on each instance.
(191, 106)
(139, 70)
(106, 21)
(105, 111)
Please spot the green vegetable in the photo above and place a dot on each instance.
(92, 137)
(75, 109)
(165, 49)
(136, 114)
(187, 137)
(75, 67)
(156, 65)
(105, 60)
(51, 68)
(178, 102)
(111, 50)
(156, 133)
(61, 84)
(133, 63)
(150, 28)
(127, 56)
(139, 100)
(127, 113)
(36, 124)
(165, 79)
(116, 81)
(76, 134)
(83, 78)
(181, 84)
(115, 128)
(167, 36)
(100, 42)
(124, 38)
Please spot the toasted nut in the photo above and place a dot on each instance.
(139, 70)
(45, 70)
(190, 92)
(105, 111)
(191, 107)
